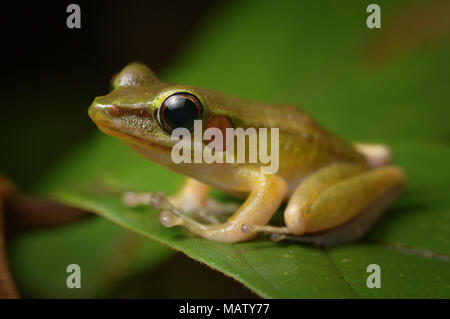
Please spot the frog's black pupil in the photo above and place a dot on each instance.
(180, 111)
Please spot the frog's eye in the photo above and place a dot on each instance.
(179, 110)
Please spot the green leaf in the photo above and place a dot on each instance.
(308, 53)
(105, 253)
(413, 259)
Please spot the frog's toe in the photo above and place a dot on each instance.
(376, 155)
(168, 219)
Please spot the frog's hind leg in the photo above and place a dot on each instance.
(350, 231)
(305, 195)
(339, 203)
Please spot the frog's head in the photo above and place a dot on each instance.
(143, 110)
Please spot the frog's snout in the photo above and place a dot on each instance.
(92, 111)
(117, 120)
(100, 112)
(102, 115)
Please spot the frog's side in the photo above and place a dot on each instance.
(334, 190)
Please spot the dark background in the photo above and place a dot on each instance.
(51, 73)
(388, 85)
(50, 76)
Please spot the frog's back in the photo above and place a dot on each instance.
(301, 137)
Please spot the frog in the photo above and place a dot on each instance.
(332, 191)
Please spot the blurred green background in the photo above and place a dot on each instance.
(387, 85)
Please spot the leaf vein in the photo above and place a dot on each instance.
(260, 274)
(340, 273)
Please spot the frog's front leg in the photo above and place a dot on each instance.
(266, 194)
(192, 199)
(339, 203)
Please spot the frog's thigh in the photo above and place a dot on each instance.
(342, 201)
(296, 214)
(355, 228)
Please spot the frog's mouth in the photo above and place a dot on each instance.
(101, 115)
(130, 138)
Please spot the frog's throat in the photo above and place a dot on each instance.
(126, 137)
